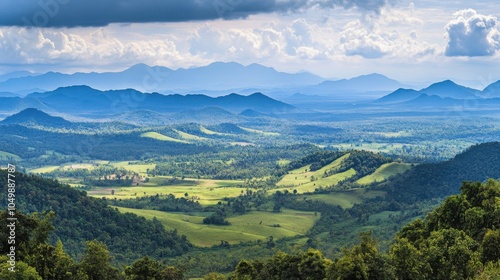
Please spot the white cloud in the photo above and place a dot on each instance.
(472, 34)
(392, 34)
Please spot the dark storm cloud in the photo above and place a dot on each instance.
(72, 13)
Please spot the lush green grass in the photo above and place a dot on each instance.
(188, 136)
(283, 162)
(45, 169)
(253, 226)
(256, 131)
(204, 191)
(321, 182)
(5, 155)
(208, 131)
(137, 168)
(161, 137)
(303, 174)
(345, 199)
(383, 172)
(304, 180)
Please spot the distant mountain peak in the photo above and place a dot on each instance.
(35, 116)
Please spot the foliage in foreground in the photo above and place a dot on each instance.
(458, 240)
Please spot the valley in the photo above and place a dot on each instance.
(229, 180)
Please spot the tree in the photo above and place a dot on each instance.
(407, 260)
(96, 262)
(313, 265)
(491, 246)
(245, 270)
(171, 273)
(451, 254)
(143, 269)
(22, 271)
(214, 276)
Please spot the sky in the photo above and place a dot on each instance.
(411, 41)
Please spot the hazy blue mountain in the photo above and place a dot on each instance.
(365, 83)
(32, 116)
(86, 100)
(216, 76)
(450, 89)
(491, 91)
(16, 104)
(399, 95)
(16, 74)
(425, 100)
(445, 93)
(252, 113)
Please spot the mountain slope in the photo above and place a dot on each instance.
(492, 91)
(426, 181)
(371, 82)
(450, 89)
(33, 116)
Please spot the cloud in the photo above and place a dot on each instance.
(472, 34)
(73, 13)
(21, 46)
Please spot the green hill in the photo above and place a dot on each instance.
(384, 172)
(433, 180)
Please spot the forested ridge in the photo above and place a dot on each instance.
(441, 179)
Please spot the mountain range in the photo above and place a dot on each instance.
(216, 76)
(443, 94)
(215, 79)
(86, 100)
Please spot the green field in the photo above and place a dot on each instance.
(45, 169)
(137, 168)
(256, 131)
(161, 137)
(283, 162)
(188, 136)
(71, 166)
(345, 199)
(204, 191)
(304, 180)
(383, 172)
(253, 226)
(5, 155)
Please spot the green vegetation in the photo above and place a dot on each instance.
(188, 136)
(204, 191)
(79, 218)
(252, 226)
(45, 169)
(161, 137)
(384, 172)
(303, 174)
(458, 240)
(256, 131)
(345, 199)
(8, 156)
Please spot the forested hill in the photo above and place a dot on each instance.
(79, 218)
(425, 181)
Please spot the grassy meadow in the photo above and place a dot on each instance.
(256, 225)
